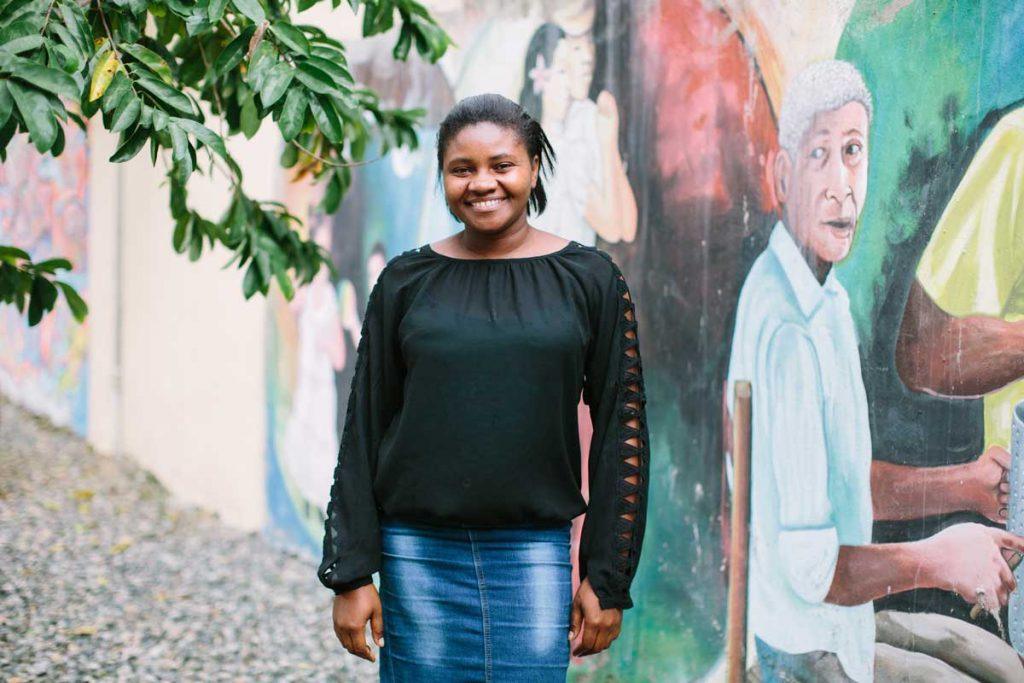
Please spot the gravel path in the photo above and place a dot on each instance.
(104, 577)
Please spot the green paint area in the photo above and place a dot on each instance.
(935, 70)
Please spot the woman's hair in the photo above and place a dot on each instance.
(501, 111)
(539, 57)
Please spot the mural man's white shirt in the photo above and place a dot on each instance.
(811, 455)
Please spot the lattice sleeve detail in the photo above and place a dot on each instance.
(619, 453)
(351, 543)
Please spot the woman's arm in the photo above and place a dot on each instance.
(611, 209)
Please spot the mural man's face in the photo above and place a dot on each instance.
(488, 176)
(823, 189)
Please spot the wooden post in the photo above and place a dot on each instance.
(736, 624)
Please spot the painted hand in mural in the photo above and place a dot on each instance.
(593, 629)
(987, 484)
(970, 560)
(351, 612)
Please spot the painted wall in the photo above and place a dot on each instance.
(665, 117)
(44, 204)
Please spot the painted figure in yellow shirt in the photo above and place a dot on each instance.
(963, 327)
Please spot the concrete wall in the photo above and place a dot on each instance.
(177, 353)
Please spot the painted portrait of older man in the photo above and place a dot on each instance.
(815, 488)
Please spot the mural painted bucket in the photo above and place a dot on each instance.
(1016, 523)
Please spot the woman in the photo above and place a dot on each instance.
(459, 467)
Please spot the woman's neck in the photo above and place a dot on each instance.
(483, 245)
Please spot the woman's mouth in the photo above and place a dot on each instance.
(486, 205)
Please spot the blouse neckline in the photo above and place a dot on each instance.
(515, 259)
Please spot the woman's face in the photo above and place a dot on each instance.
(575, 57)
(488, 176)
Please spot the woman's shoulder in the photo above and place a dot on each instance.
(593, 261)
(406, 267)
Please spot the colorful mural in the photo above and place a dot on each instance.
(44, 210)
(674, 155)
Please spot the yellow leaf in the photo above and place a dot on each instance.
(83, 494)
(106, 67)
(84, 631)
(123, 544)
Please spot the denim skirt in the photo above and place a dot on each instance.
(475, 604)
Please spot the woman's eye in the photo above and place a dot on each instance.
(459, 171)
(854, 148)
(504, 166)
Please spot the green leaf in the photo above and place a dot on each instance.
(293, 114)
(285, 283)
(232, 53)
(160, 119)
(131, 145)
(263, 59)
(250, 120)
(292, 37)
(78, 307)
(181, 234)
(251, 9)
(44, 296)
(215, 10)
(203, 135)
(13, 254)
(126, 114)
(36, 115)
(155, 62)
(58, 143)
(306, 4)
(53, 265)
(251, 284)
(74, 20)
(275, 84)
(22, 43)
(181, 152)
(332, 194)
(6, 103)
(326, 117)
(316, 80)
(119, 88)
(336, 71)
(165, 94)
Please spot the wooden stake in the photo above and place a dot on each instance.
(739, 541)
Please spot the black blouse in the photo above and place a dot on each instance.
(463, 409)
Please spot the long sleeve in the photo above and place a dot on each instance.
(351, 544)
(793, 396)
(619, 452)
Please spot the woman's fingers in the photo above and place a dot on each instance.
(576, 619)
(360, 648)
(377, 625)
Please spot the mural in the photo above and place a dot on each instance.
(44, 210)
(881, 325)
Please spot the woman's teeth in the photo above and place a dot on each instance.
(489, 204)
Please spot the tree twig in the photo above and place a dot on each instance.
(335, 164)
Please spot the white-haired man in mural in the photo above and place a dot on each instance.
(815, 491)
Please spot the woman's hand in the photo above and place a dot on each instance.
(593, 628)
(351, 612)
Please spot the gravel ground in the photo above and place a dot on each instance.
(104, 577)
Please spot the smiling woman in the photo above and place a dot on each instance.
(459, 470)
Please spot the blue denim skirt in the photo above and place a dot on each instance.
(475, 604)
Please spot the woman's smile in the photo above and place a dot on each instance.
(487, 205)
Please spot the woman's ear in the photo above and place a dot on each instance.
(534, 171)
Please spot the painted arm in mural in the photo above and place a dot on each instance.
(962, 558)
(611, 209)
(900, 492)
(939, 353)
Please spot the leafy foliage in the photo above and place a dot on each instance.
(150, 69)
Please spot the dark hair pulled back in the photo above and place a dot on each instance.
(501, 111)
